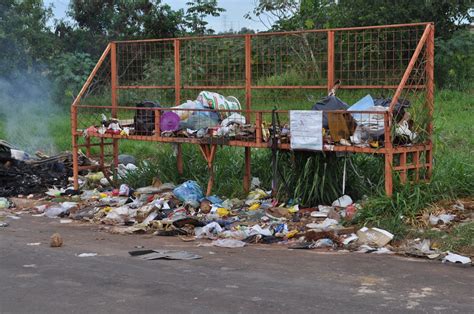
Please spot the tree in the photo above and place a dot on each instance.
(26, 42)
(448, 15)
(196, 14)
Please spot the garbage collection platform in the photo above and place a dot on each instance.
(300, 90)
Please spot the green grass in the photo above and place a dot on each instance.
(321, 182)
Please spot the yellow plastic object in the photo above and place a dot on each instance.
(256, 194)
(254, 206)
(107, 209)
(291, 234)
(293, 209)
(102, 195)
(222, 212)
(374, 144)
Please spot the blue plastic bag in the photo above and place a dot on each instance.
(189, 192)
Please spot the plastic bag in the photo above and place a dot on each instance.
(208, 231)
(189, 192)
(229, 243)
(184, 114)
(59, 210)
(200, 120)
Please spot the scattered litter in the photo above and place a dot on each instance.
(4, 203)
(369, 249)
(343, 201)
(33, 243)
(3, 224)
(164, 254)
(353, 237)
(229, 243)
(443, 218)
(13, 217)
(65, 221)
(325, 225)
(374, 236)
(56, 240)
(30, 266)
(323, 243)
(87, 255)
(456, 258)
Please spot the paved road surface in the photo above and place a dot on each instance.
(255, 279)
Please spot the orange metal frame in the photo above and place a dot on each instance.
(402, 159)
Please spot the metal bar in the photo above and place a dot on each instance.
(416, 163)
(177, 72)
(75, 149)
(288, 87)
(380, 86)
(247, 172)
(403, 167)
(388, 154)
(277, 33)
(430, 78)
(213, 87)
(388, 174)
(410, 66)
(91, 76)
(258, 127)
(157, 122)
(146, 87)
(248, 74)
(113, 78)
(429, 162)
(211, 154)
(330, 78)
(198, 87)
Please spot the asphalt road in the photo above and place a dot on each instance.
(255, 279)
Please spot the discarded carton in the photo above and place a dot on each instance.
(374, 236)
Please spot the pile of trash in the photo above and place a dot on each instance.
(166, 210)
(215, 117)
(21, 173)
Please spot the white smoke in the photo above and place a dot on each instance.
(27, 111)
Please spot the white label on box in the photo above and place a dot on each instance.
(306, 128)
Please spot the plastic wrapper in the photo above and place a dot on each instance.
(189, 192)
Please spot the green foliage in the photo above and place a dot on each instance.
(69, 72)
(198, 10)
(454, 60)
(126, 19)
(26, 43)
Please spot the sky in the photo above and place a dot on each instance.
(233, 18)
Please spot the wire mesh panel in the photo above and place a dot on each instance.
(212, 61)
(378, 57)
